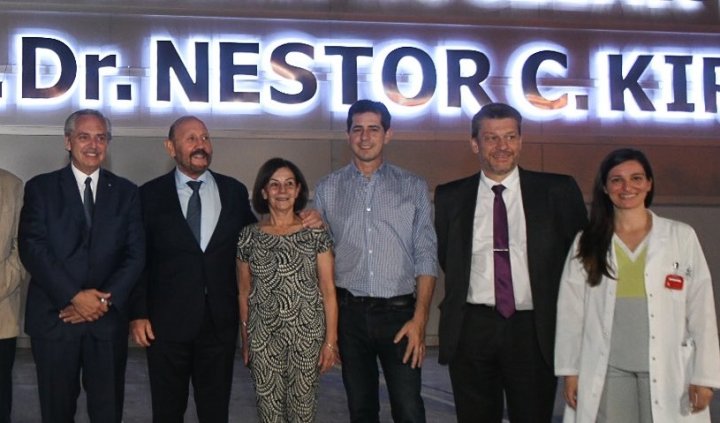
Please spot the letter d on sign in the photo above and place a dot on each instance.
(68, 67)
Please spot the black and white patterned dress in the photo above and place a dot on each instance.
(286, 325)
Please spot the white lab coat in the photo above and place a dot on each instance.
(683, 340)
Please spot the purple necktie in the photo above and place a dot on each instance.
(504, 298)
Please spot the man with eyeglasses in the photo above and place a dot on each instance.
(503, 235)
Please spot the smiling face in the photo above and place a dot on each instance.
(87, 143)
(281, 190)
(191, 147)
(627, 185)
(498, 146)
(367, 138)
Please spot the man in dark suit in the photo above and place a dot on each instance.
(82, 241)
(186, 304)
(497, 335)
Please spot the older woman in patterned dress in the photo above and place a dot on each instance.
(288, 306)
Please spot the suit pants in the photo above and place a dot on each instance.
(7, 358)
(497, 356)
(62, 363)
(207, 361)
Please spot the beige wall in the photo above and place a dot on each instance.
(686, 177)
(685, 158)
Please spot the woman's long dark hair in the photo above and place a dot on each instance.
(595, 240)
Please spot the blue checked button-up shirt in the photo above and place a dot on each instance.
(382, 228)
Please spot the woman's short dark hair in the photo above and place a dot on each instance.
(266, 172)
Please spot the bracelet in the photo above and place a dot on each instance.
(244, 324)
(330, 346)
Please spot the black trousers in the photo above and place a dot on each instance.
(62, 364)
(7, 358)
(206, 361)
(499, 359)
(366, 330)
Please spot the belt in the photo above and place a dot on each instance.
(490, 308)
(400, 301)
(480, 306)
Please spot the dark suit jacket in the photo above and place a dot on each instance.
(171, 291)
(554, 212)
(63, 257)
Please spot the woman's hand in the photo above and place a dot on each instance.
(328, 357)
(571, 389)
(246, 353)
(245, 343)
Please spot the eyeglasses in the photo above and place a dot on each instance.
(288, 184)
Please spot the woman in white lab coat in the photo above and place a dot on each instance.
(637, 337)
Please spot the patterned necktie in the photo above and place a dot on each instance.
(194, 209)
(504, 297)
(88, 201)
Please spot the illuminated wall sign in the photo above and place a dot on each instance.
(448, 72)
(689, 5)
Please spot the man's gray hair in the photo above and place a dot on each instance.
(70, 121)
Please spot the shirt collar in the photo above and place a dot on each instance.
(182, 179)
(511, 181)
(80, 176)
(379, 171)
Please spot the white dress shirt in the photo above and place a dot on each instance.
(482, 271)
(209, 198)
(80, 177)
